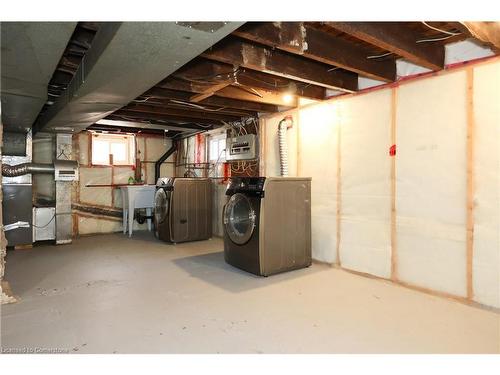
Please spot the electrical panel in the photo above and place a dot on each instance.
(243, 147)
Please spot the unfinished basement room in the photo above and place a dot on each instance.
(263, 187)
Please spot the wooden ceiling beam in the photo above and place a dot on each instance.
(395, 38)
(216, 101)
(209, 91)
(201, 68)
(185, 105)
(232, 50)
(231, 92)
(301, 39)
(126, 114)
(141, 122)
(186, 113)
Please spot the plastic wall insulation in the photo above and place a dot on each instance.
(100, 196)
(272, 162)
(431, 183)
(486, 254)
(318, 141)
(365, 229)
(150, 148)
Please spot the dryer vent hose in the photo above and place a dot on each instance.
(26, 168)
(283, 147)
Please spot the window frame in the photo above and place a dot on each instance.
(131, 144)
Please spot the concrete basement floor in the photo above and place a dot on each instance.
(111, 294)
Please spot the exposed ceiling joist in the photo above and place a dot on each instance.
(247, 77)
(242, 94)
(301, 39)
(138, 125)
(163, 93)
(393, 37)
(248, 55)
(187, 113)
(179, 120)
(209, 91)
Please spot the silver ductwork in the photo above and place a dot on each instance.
(125, 60)
(30, 54)
(26, 168)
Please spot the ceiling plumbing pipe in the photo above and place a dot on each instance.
(26, 168)
(283, 125)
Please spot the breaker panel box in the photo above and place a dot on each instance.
(243, 147)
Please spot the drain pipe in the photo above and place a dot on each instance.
(164, 157)
(26, 168)
(283, 125)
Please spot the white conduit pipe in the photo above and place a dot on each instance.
(283, 147)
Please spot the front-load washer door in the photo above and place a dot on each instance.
(161, 206)
(239, 219)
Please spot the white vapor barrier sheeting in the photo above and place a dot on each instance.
(318, 144)
(431, 183)
(486, 256)
(95, 195)
(365, 230)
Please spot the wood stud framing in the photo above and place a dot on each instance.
(470, 181)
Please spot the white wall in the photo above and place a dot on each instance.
(486, 259)
(430, 185)
(365, 237)
(318, 132)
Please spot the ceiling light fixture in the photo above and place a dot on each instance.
(288, 98)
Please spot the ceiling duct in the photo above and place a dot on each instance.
(29, 55)
(125, 60)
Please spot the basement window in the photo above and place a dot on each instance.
(217, 154)
(113, 149)
(217, 148)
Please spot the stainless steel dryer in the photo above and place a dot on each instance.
(267, 224)
(183, 209)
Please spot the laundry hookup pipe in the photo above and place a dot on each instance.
(283, 147)
(26, 168)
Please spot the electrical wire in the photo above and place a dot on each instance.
(196, 106)
(440, 30)
(449, 34)
(434, 39)
(377, 56)
(43, 226)
(212, 75)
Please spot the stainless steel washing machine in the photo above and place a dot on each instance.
(183, 209)
(267, 224)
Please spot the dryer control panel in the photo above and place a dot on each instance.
(253, 186)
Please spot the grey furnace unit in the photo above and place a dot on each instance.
(267, 224)
(183, 209)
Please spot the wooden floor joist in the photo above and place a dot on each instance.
(395, 38)
(302, 39)
(253, 56)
